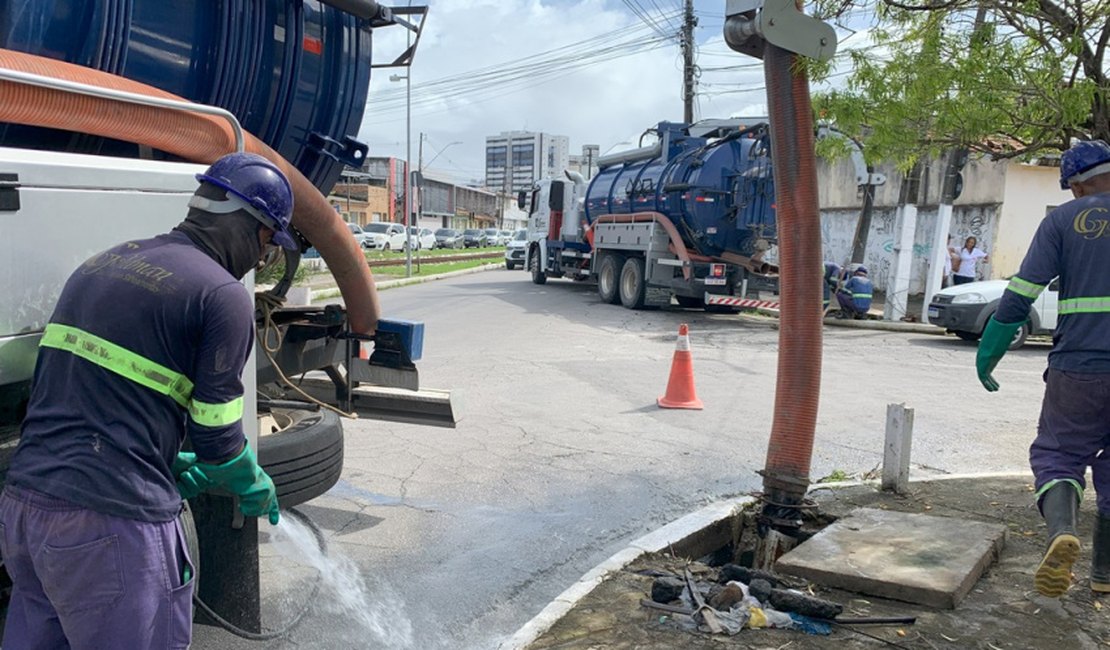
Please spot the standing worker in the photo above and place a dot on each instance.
(856, 294)
(1072, 243)
(146, 346)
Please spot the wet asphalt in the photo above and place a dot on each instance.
(561, 457)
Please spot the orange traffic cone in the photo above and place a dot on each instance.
(680, 386)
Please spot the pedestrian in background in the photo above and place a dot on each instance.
(970, 255)
(1072, 243)
(951, 263)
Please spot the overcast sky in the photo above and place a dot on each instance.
(624, 80)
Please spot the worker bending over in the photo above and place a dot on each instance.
(146, 347)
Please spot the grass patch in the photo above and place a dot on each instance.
(438, 252)
(426, 268)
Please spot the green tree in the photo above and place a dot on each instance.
(1007, 78)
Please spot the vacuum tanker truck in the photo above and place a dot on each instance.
(691, 217)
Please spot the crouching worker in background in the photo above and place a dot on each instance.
(855, 296)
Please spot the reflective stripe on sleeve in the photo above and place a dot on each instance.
(216, 415)
(1085, 305)
(861, 295)
(119, 360)
(1025, 288)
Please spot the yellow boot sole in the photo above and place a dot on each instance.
(1053, 576)
(1100, 587)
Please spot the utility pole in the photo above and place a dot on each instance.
(689, 21)
(418, 206)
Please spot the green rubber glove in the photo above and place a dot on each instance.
(242, 476)
(191, 481)
(992, 347)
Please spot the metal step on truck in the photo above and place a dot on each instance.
(690, 218)
(110, 110)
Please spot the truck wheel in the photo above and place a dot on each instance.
(302, 451)
(538, 276)
(608, 278)
(633, 285)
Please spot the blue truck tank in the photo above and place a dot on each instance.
(718, 191)
(295, 72)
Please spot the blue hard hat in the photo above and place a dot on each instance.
(256, 185)
(861, 269)
(1082, 157)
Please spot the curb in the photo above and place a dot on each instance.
(333, 291)
(669, 535)
(890, 326)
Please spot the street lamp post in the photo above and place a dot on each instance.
(408, 166)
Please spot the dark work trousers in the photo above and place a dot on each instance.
(961, 279)
(87, 580)
(1073, 432)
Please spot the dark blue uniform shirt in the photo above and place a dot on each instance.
(861, 289)
(1073, 242)
(99, 439)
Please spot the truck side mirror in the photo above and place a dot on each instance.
(555, 199)
(521, 199)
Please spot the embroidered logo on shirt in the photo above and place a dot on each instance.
(1091, 228)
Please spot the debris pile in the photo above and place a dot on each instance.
(732, 598)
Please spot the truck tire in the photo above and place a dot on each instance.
(304, 456)
(608, 278)
(633, 284)
(538, 275)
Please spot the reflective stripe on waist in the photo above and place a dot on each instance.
(142, 371)
(861, 295)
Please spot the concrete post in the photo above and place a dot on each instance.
(937, 257)
(896, 451)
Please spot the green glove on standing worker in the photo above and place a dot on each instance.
(992, 347)
(241, 475)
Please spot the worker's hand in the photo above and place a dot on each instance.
(243, 476)
(992, 347)
(191, 481)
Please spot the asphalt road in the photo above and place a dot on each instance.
(561, 457)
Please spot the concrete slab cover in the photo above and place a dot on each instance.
(922, 559)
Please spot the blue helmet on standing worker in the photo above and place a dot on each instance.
(1084, 160)
(257, 186)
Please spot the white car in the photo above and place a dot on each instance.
(422, 238)
(964, 310)
(385, 236)
(360, 236)
(514, 249)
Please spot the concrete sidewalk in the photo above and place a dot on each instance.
(1001, 610)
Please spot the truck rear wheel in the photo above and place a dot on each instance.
(302, 451)
(534, 265)
(608, 278)
(633, 285)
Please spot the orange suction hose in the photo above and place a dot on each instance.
(194, 137)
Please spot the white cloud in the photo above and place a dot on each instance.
(602, 104)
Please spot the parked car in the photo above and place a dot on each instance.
(472, 237)
(514, 249)
(493, 237)
(360, 236)
(385, 236)
(964, 310)
(448, 238)
(422, 238)
(505, 237)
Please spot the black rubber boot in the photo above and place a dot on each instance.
(1100, 557)
(1059, 507)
